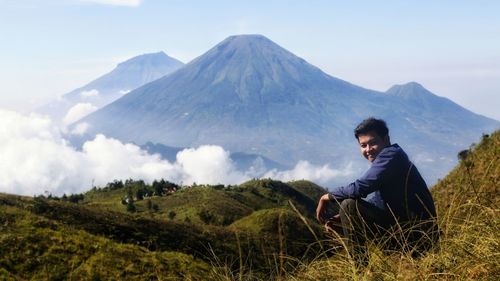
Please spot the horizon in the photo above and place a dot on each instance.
(448, 47)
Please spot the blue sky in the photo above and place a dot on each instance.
(51, 47)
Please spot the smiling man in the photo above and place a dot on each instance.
(399, 195)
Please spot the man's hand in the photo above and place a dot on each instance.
(321, 209)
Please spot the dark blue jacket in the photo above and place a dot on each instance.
(395, 183)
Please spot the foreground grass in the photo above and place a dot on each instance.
(469, 247)
(36, 248)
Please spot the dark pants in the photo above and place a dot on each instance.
(361, 221)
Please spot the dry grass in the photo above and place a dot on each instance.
(468, 248)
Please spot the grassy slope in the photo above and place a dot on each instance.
(36, 247)
(475, 180)
(469, 220)
(99, 238)
(225, 204)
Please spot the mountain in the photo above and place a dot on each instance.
(250, 95)
(247, 94)
(427, 104)
(127, 76)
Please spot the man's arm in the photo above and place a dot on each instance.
(321, 209)
(368, 183)
(371, 181)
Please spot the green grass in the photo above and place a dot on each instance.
(98, 238)
(38, 248)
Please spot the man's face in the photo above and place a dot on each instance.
(371, 144)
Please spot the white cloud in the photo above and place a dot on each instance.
(77, 112)
(208, 164)
(109, 159)
(36, 158)
(89, 94)
(124, 92)
(80, 129)
(130, 3)
(305, 170)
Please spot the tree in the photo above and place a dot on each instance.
(75, 198)
(139, 194)
(158, 187)
(131, 207)
(116, 184)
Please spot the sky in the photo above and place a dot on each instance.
(452, 48)
(51, 47)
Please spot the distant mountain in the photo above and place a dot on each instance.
(127, 76)
(250, 95)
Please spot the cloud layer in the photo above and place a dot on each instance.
(306, 170)
(36, 158)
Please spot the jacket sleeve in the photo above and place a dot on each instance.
(371, 181)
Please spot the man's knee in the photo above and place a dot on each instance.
(348, 206)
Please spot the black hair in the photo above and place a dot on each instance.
(371, 124)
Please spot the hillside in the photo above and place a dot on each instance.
(476, 179)
(98, 238)
(34, 246)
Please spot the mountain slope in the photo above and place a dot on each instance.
(452, 117)
(250, 95)
(127, 76)
(247, 94)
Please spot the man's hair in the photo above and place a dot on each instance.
(371, 124)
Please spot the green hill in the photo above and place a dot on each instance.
(476, 179)
(51, 238)
(34, 246)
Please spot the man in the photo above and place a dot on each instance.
(400, 198)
